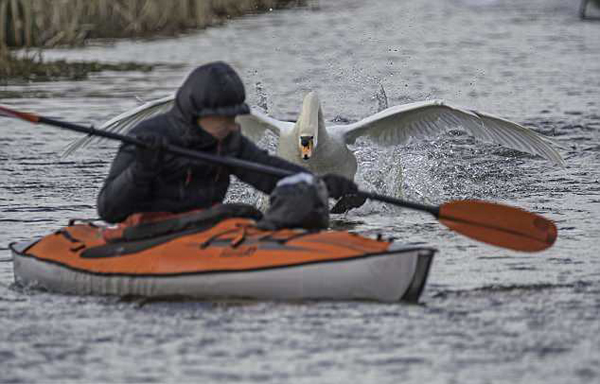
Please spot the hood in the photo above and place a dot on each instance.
(213, 89)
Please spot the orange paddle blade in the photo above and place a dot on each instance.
(8, 112)
(500, 225)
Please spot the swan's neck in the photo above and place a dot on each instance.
(310, 124)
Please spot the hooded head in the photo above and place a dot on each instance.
(213, 89)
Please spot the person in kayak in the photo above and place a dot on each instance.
(202, 119)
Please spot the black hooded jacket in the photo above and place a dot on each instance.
(182, 184)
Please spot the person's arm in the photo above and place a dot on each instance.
(125, 189)
(128, 187)
(261, 181)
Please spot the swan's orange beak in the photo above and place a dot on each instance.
(306, 147)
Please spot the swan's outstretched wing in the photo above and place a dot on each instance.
(397, 125)
(256, 123)
(253, 125)
(124, 122)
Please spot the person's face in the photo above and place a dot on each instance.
(218, 126)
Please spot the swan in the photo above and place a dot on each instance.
(324, 149)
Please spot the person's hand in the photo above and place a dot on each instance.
(150, 157)
(339, 186)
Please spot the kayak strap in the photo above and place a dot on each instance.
(243, 231)
(217, 235)
(134, 229)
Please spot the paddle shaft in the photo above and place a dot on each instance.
(491, 223)
(197, 155)
(206, 157)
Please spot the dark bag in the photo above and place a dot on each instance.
(298, 201)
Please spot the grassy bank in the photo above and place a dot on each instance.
(32, 67)
(48, 23)
(60, 22)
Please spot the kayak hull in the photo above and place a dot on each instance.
(397, 273)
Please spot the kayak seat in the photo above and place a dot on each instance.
(199, 220)
(137, 238)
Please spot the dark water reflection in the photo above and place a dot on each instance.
(488, 315)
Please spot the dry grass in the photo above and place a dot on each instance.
(32, 67)
(70, 22)
(48, 23)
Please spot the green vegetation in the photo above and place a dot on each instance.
(48, 23)
(33, 68)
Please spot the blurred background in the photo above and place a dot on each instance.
(487, 315)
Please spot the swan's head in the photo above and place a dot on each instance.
(307, 144)
(309, 124)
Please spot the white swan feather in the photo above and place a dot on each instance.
(392, 126)
(400, 124)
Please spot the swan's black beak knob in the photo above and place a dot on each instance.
(306, 147)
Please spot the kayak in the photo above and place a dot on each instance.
(204, 255)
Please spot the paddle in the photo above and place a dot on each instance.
(491, 223)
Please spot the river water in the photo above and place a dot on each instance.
(487, 315)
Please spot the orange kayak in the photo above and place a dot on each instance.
(231, 258)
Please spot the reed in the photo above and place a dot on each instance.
(31, 66)
(26, 23)
(47, 23)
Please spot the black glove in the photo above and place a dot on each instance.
(339, 186)
(149, 159)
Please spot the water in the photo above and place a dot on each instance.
(488, 314)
